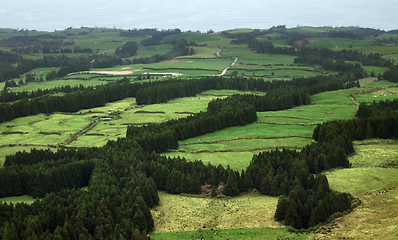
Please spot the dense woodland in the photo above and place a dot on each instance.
(107, 192)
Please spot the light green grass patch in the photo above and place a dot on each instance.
(387, 52)
(244, 145)
(241, 158)
(202, 52)
(362, 180)
(191, 64)
(34, 86)
(235, 160)
(232, 234)
(115, 128)
(339, 43)
(228, 92)
(375, 153)
(185, 213)
(18, 199)
(380, 95)
(190, 36)
(120, 105)
(334, 97)
(382, 83)
(377, 70)
(31, 126)
(309, 114)
(247, 56)
(253, 130)
(308, 29)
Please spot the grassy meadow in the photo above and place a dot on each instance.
(232, 234)
(248, 216)
(375, 185)
(291, 128)
(18, 199)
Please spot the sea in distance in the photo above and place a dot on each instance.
(195, 15)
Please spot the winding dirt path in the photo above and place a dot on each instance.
(79, 133)
(231, 65)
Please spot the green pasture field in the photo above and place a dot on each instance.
(376, 216)
(308, 114)
(363, 180)
(236, 156)
(34, 86)
(55, 128)
(148, 51)
(222, 147)
(376, 70)
(61, 126)
(388, 52)
(380, 95)
(184, 72)
(340, 97)
(246, 56)
(190, 36)
(237, 153)
(228, 92)
(112, 129)
(308, 29)
(339, 43)
(253, 130)
(374, 185)
(274, 38)
(232, 234)
(202, 52)
(219, 41)
(242, 145)
(18, 199)
(275, 74)
(382, 83)
(42, 72)
(239, 30)
(375, 153)
(105, 42)
(192, 63)
(248, 216)
(187, 213)
(235, 160)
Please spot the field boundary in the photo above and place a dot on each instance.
(247, 150)
(246, 138)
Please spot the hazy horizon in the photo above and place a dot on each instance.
(201, 15)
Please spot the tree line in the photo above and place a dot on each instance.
(159, 92)
(7, 96)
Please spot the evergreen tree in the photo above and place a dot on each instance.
(231, 187)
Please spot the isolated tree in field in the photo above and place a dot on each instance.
(231, 187)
